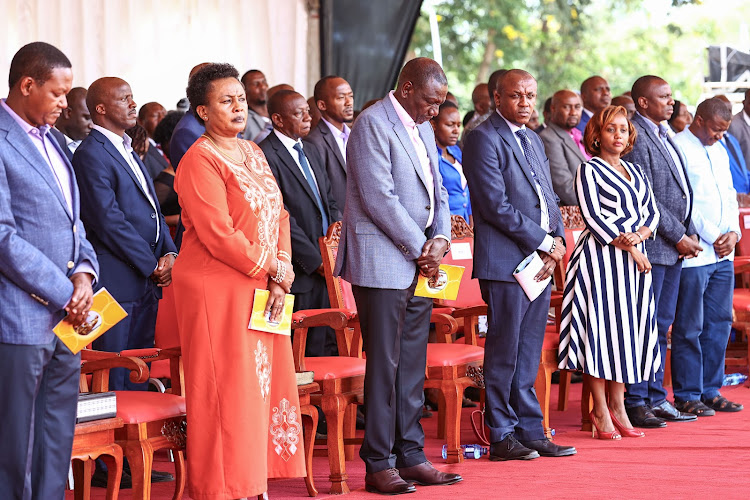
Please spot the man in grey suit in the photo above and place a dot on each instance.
(665, 166)
(47, 270)
(740, 127)
(394, 228)
(335, 100)
(563, 143)
(515, 216)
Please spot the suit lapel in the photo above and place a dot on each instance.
(647, 127)
(507, 136)
(567, 141)
(112, 150)
(283, 153)
(332, 143)
(404, 138)
(18, 139)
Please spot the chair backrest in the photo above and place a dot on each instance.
(340, 293)
(462, 254)
(574, 226)
(743, 246)
(166, 334)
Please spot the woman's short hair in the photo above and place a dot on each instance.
(200, 83)
(593, 132)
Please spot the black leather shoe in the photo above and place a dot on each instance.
(547, 448)
(425, 474)
(642, 416)
(387, 482)
(156, 476)
(99, 479)
(666, 411)
(510, 449)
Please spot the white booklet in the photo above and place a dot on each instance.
(525, 272)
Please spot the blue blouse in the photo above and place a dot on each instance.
(458, 196)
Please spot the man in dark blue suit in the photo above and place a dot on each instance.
(46, 270)
(124, 220)
(515, 215)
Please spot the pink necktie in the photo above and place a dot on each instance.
(578, 139)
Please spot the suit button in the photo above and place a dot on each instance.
(683, 196)
(71, 265)
(427, 207)
(682, 222)
(153, 216)
(464, 205)
(537, 205)
(75, 229)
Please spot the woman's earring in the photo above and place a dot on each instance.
(596, 143)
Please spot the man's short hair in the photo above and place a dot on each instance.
(421, 71)
(248, 73)
(36, 60)
(277, 102)
(714, 108)
(492, 83)
(641, 85)
(319, 92)
(520, 72)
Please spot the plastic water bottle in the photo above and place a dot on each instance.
(469, 450)
(734, 379)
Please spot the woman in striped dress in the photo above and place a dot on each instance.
(608, 326)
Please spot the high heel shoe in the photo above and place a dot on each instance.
(597, 434)
(624, 431)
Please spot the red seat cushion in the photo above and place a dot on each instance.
(741, 299)
(480, 341)
(452, 354)
(160, 369)
(142, 406)
(330, 367)
(306, 313)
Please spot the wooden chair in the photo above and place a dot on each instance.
(96, 439)
(341, 380)
(448, 365)
(151, 420)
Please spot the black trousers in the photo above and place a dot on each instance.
(38, 402)
(395, 326)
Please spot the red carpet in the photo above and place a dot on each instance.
(705, 459)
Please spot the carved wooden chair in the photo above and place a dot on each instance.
(448, 365)
(151, 420)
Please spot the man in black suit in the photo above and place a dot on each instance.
(307, 197)
(122, 216)
(335, 100)
(74, 123)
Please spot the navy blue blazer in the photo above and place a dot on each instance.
(504, 199)
(186, 132)
(41, 241)
(119, 218)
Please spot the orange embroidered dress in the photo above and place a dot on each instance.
(243, 415)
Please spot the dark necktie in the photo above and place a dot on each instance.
(309, 176)
(536, 170)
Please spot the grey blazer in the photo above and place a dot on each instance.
(41, 242)
(564, 160)
(671, 200)
(741, 130)
(504, 199)
(387, 202)
(335, 165)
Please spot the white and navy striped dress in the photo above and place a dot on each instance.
(608, 326)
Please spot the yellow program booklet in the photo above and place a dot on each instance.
(104, 314)
(259, 321)
(444, 285)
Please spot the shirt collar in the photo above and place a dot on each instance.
(513, 127)
(115, 139)
(287, 141)
(336, 132)
(26, 126)
(407, 120)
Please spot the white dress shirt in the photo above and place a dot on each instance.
(548, 240)
(341, 136)
(424, 158)
(289, 144)
(715, 210)
(124, 147)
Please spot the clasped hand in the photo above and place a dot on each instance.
(724, 244)
(162, 275)
(432, 253)
(627, 242)
(81, 300)
(551, 260)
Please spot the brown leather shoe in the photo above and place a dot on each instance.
(387, 482)
(425, 474)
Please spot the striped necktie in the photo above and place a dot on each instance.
(536, 170)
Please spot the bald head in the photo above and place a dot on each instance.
(712, 119)
(75, 120)
(565, 109)
(626, 102)
(422, 87)
(110, 101)
(515, 96)
(197, 68)
(289, 113)
(653, 98)
(481, 98)
(277, 88)
(595, 93)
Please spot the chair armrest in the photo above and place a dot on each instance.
(302, 320)
(445, 327)
(465, 312)
(99, 368)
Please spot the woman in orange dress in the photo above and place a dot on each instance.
(242, 403)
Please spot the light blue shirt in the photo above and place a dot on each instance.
(715, 209)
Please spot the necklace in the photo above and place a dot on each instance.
(226, 155)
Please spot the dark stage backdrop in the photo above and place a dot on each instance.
(365, 41)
